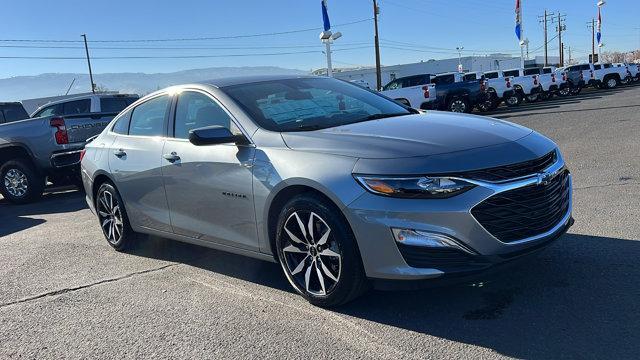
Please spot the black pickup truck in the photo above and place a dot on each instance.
(457, 94)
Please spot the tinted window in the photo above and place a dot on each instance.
(534, 71)
(115, 104)
(415, 81)
(53, 110)
(515, 73)
(443, 79)
(12, 112)
(606, 66)
(491, 75)
(597, 67)
(470, 77)
(395, 84)
(122, 124)
(196, 110)
(76, 107)
(546, 71)
(585, 67)
(310, 103)
(148, 118)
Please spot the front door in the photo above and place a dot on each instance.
(209, 188)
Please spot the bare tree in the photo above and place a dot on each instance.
(612, 57)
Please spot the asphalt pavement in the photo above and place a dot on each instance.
(66, 294)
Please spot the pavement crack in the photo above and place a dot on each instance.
(607, 185)
(85, 286)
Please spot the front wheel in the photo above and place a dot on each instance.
(113, 218)
(564, 91)
(19, 182)
(611, 83)
(318, 252)
(514, 99)
(459, 105)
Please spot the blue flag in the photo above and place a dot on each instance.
(325, 16)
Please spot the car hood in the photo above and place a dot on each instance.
(408, 136)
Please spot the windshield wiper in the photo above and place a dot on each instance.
(382, 116)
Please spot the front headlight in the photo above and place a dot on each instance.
(422, 187)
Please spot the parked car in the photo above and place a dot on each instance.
(523, 86)
(413, 91)
(48, 145)
(499, 89)
(456, 95)
(12, 111)
(550, 83)
(596, 75)
(340, 185)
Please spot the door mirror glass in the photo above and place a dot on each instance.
(213, 135)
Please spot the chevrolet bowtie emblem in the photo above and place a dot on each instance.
(545, 178)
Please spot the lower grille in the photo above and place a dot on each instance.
(525, 212)
(447, 260)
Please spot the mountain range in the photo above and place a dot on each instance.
(45, 85)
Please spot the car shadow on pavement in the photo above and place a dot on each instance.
(15, 218)
(578, 299)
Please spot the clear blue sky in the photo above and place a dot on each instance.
(431, 29)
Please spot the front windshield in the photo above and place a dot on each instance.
(310, 103)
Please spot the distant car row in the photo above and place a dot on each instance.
(485, 91)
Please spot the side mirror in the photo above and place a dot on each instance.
(213, 135)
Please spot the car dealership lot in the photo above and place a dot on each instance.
(66, 293)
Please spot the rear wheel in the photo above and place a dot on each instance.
(514, 99)
(459, 105)
(575, 90)
(611, 83)
(19, 182)
(490, 103)
(318, 252)
(545, 95)
(113, 218)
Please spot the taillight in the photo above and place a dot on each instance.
(82, 154)
(591, 73)
(581, 75)
(426, 91)
(535, 80)
(508, 80)
(61, 130)
(553, 77)
(483, 85)
(564, 76)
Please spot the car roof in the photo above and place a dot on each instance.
(239, 80)
(81, 97)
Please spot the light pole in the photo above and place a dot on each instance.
(600, 4)
(327, 38)
(460, 48)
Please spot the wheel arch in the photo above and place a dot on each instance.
(13, 151)
(98, 179)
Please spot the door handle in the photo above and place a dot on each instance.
(119, 153)
(173, 157)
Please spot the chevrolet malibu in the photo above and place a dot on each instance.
(343, 187)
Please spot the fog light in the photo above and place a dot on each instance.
(426, 239)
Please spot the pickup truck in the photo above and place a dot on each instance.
(12, 111)
(632, 72)
(413, 91)
(523, 86)
(550, 83)
(455, 94)
(596, 75)
(48, 146)
(499, 89)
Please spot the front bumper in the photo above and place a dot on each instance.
(372, 217)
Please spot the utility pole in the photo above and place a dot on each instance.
(544, 19)
(86, 49)
(560, 28)
(569, 51)
(460, 48)
(592, 25)
(376, 11)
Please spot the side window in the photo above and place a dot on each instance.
(585, 67)
(392, 85)
(115, 104)
(122, 124)
(76, 107)
(53, 110)
(470, 77)
(491, 75)
(147, 118)
(196, 110)
(597, 67)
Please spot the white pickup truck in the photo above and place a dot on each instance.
(523, 86)
(632, 70)
(498, 89)
(549, 81)
(596, 75)
(414, 91)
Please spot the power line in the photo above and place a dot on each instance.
(187, 39)
(173, 47)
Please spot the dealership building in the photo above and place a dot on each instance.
(367, 75)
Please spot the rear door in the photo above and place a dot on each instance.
(135, 159)
(209, 187)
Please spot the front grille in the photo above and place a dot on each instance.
(448, 260)
(525, 212)
(509, 172)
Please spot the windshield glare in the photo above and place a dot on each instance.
(310, 103)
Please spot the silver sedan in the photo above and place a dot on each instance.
(342, 186)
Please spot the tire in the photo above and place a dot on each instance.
(313, 263)
(491, 103)
(459, 105)
(564, 91)
(513, 100)
(611, 82)
(113, 219)
(531, 98)
(20, 183)
(576, 90)
(545, 95)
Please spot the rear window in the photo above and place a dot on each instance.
(597, 67)
(116, 104)
(515, 73)
(491, 75)
(443, 79)
(546, 71)
(533, 71)
(12, 112)
(77, 107)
